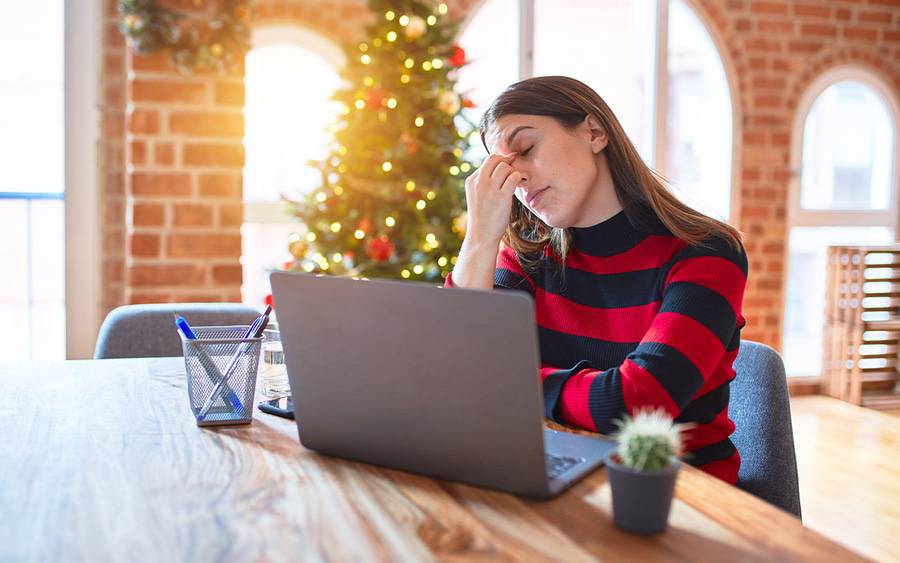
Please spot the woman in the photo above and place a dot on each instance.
(638, 297)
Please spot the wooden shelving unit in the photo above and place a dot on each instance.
(862, 326)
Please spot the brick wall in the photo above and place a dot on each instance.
(172, 156)
(777, 48)
(112, 162)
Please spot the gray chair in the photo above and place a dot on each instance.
(145, 331)
(761, 412)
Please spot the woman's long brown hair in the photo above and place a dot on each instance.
(640, 190)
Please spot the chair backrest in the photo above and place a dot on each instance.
(144, 331)
(763, 435)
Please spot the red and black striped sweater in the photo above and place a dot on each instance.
(637, 318)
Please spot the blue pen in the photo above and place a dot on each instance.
(205, 360)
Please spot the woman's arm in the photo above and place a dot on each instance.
(489, 193)
(694, 329)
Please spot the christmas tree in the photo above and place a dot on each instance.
(392, 199)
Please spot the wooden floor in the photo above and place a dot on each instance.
(849, 463)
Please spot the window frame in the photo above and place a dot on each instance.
(81, 115)
(800, 217)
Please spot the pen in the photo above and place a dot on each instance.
(254, 331)
(208, 364)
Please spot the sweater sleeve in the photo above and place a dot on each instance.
(508, 275)
(698, 319)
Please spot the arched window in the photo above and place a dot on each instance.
(290, 75)
(653, 61)
(844, 192)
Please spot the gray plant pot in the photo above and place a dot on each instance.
(641, 499)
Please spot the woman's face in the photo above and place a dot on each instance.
(566, 178)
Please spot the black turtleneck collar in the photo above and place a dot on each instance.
(616, 234)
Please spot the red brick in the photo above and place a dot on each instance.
(816, 30)
(192, 215)
(164, 154)
(804, 47)
(114, 94)
(231, 214)
(138, 151)
(743, 24)
(112, 37)
(777, 8)
(754, 137)
(144, 245)
(860, 33)
(767, 101)
(143, 122)
(153, 62)
(758, 63)
(768, 82)
(142, 297)
(113, 63)
(208, 154)
(113, 271)
(224, 274)
(168, 91)
(148, 214)
(763, 44)
(161, 184)
(186, 245)
(113, 125)
(221, 185)
(218, 124)
(812, 11)
(166, 275)
(881, 16)
(229, 93)
(775, 26)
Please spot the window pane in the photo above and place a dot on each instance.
(805, 302)
(698, 148)
(610, 46)
(32, 300)
(848, 147)
(286, 114)
(31, 96)
(491, 41)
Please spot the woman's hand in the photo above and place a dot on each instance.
(489, 195)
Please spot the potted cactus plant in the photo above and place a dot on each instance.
(643, 469)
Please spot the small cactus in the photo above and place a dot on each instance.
(649, 441)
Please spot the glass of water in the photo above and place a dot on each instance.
(272, 370)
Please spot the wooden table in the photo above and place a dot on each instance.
(102, 460)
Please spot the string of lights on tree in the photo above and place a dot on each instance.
(392, 200)
(218, 42)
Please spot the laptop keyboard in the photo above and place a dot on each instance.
(558, 464)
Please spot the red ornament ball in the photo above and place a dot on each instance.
(380, 248)
(458, 58)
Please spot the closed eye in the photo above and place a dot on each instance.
(526, 151)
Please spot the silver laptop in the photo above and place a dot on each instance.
(441, 382)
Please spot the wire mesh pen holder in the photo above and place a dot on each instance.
(221, 367)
